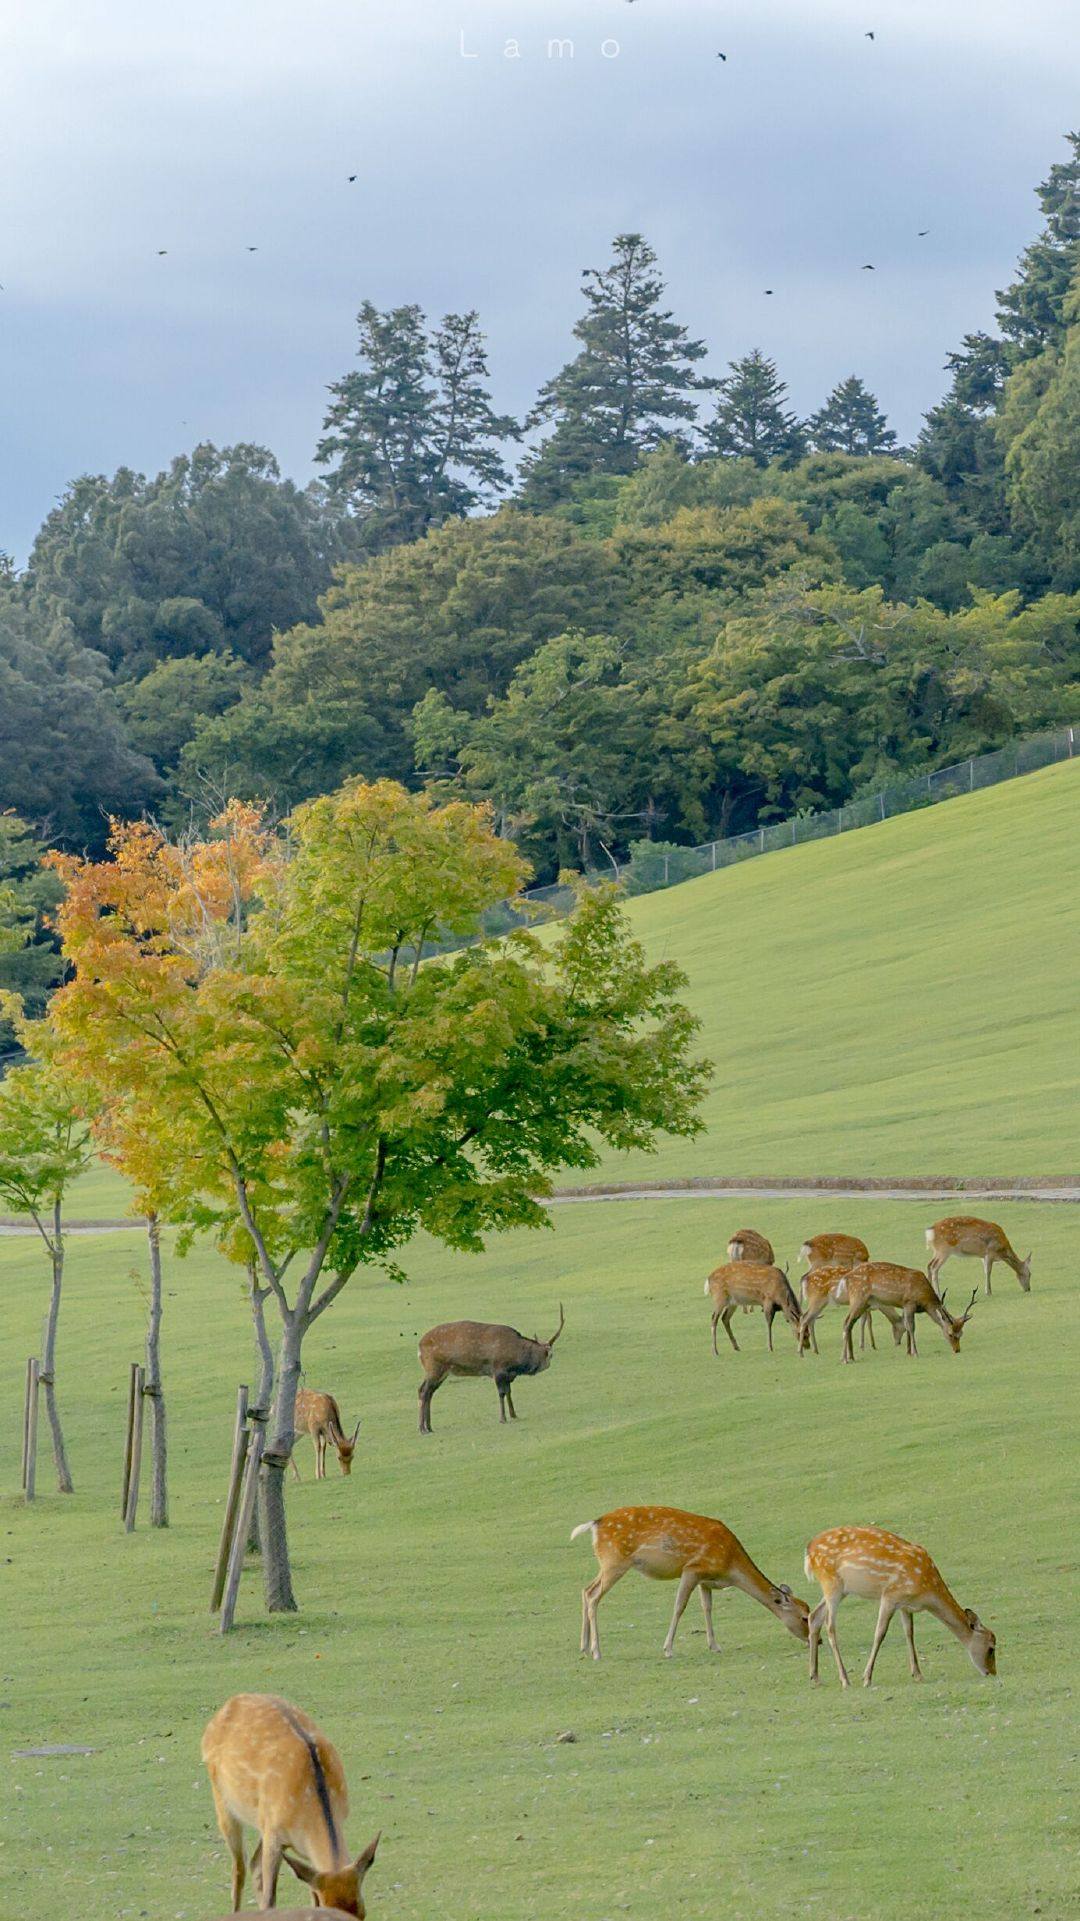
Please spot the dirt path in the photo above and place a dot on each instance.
(839, 1189)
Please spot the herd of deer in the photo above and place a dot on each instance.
(273, 1770)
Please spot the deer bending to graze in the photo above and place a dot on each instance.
(982, 1240)
(831, 1250)
(824, 1284)
(750, 1284)
(320, 1416)
(667, 1544)
(749, 1245)
(895, 1573)
(270, 1768)
(470, 1350)
(883, 1284)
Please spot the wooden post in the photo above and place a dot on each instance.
(138, 1383)
(30, 1442)
(128, 1434)
(232, 1501)
(243, 1522)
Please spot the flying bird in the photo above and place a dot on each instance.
(923, 231)
(253, 250)
(869, 36)
(869, 267)
(352, 177)
(768, 290)
(162, 251)
(721, 56)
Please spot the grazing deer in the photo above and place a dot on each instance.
(983, 1240)
(883, 1284)
(270, 1768)
(291, 1914)
(832, 1250)
(667, 1544)
(749, 1245)
(824, 1284)
(883, 1568)
(467, 1350)
(320, 1416)
(750, 1284)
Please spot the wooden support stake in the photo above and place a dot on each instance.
(138, 1383)
(232, 1499)
(243, 1525)
(128, 1432)
(30, 1452)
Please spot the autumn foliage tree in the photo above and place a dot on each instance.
(297, 1078)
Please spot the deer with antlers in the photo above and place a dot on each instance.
(750, 1284)
(667, 1544)
(898, 1575)
(885, 1284)
(272, 1769)
(982, 1240)
(471, 1350)
(820, 1285)
(320, 1416)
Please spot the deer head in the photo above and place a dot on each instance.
(346, 1450)
(338, 1887)
(951, 1326)
(982, 1644)
(1023, 1274)
(792, 1612)
(545, 1347)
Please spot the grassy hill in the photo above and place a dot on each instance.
(900, 1000)
(440, 1593)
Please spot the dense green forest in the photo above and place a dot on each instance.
(677, 611)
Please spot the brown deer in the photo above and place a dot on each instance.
(832, 1250)
(667, 1544)
(320, 1416)
(749, 1245)
(750, 1284)
(883, 1568)
(820, 1285)
(290, 1914)
(270, 1768)
(982, 1240)
(884, 1284)
(470, 1350)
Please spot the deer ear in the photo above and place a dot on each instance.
(355, 1432)
(364, 1861)
(972, 1618)
(300, 1869)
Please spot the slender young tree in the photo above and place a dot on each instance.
(630, 387)
(44, 1145)
(752, 420)
(412, 437)
(850, 422)
(311, 1090)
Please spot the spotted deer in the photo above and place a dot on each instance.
(824, 1284)
(832, 1250)
(272, 1769)
(751, 1284)
(470, 1350)
(748, 1245)
(884, 1284)
(897, 1575)
(667, 1544)
(320, 1416)
(982, 1240)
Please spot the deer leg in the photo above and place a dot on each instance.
(604, 1582)
(988, 1262)
(425, 1391)
(510, 1401)
(726, 1319)
(885, 1615)
(503, 1384)
(271, 1868)
(847, 1352)
(233, 1836)
(909, 1635)
(832, 1602)
(320, 1457)
(586, 1631)
(706, 1609)
(815, 1623)
(687, 1583)
(715, 1318)
(769, 1313)
(912, 1344)
(867, 1328)
(295, 1469)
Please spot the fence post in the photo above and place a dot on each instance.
(129, 1434)
(971, 776)
(881, 804)
(839, 820)
(243, 1522)
(793, 830)
(714, 857)
(30, 1419)
(1069, 731)
(232, 1499)
(761, 840)
(138, 1384)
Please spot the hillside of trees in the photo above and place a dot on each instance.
(674, 610)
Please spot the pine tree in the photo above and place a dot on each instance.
(413, 434)
(628, 389)
(751, 420)
(850, 422)
(1031, 311)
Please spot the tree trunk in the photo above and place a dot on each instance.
(159, 1492)
(48, 1361)
(265, 1383)
(277, 1574)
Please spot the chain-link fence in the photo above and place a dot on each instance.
(657, 864)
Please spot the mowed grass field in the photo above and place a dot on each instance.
(438, 1639)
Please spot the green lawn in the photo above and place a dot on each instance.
(901, 1000)
(438, 1639)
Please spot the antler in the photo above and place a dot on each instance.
(966, 1315)
(559, 1329)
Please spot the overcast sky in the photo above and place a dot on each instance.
(209, 126)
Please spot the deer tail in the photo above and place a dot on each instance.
(584, 1528)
